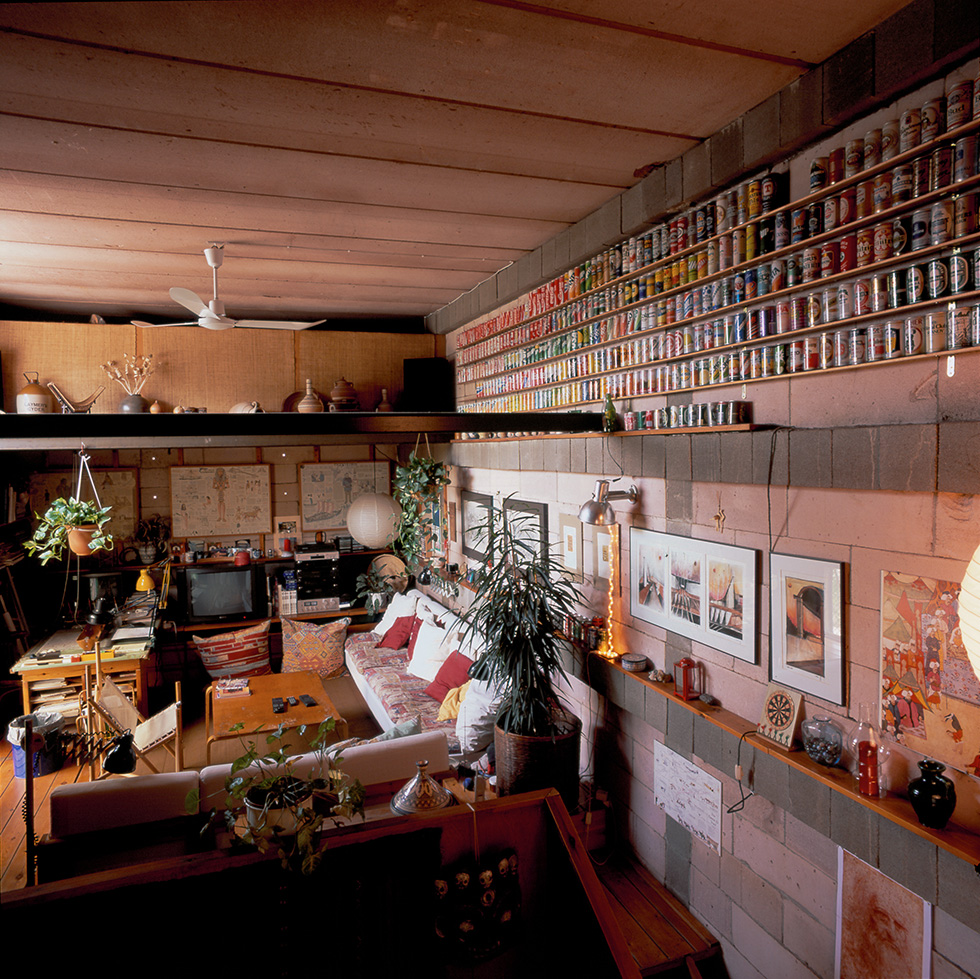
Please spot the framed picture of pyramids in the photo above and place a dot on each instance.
(930, 695)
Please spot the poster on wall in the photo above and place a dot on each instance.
(327, 490)
(696, 588)
(688, 795)
(930, 695)
(220, 501)
(118, 488)
(883, 929)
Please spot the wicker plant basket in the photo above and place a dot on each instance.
(524, 764)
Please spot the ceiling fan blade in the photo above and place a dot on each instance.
(190, 300)
(212, 322)
(277, 324)
(141, 323)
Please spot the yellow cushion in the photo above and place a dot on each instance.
(450, 706)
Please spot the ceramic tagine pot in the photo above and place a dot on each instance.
(932, 794)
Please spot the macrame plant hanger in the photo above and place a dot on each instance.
(83, 470)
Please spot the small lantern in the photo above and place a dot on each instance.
(688, 679)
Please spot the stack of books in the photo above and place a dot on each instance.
(231, 687)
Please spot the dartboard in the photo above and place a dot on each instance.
(779, 710)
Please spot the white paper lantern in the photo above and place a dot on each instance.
(970, 612)
(373, 519)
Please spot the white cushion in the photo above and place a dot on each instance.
(430, 651)
(475, 723)
(398, 607)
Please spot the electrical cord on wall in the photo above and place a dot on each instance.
(740, 805)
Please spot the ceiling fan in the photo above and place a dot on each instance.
(211, 315)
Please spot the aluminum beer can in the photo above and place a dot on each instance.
(882, 193)
(845, 300)
(875, 344)
(934, 335)
(893, 339)
(915, 283)
(959, 104)
(853, 158)
(865, 247)
(910, 130)
(937, 281)
(958, 328)
(940, 167)
(848, 253)
(964, 158)
(856, 346)
(921, 221)
(840, 348)
(941, 222)
(933, 118)
(959, 273)
(912, 336)
(889, 139)
(881, 242)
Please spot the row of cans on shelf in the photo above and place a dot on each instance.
(915, 126)
(951, 329)
(700, 415)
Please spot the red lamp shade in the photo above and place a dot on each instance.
(688, 683)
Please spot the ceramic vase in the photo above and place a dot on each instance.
(134, 404)
(932, 794)
(311, 401)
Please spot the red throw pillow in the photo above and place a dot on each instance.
(398, 635)
(453, 673)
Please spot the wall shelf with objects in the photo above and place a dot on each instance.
(879, 265)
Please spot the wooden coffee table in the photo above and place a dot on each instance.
(255, 711)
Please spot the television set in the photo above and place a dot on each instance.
(222, 593)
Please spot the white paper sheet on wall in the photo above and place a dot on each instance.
(688, 795)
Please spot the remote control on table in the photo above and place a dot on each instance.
(292, 701)
(278, 705)
(308, 700)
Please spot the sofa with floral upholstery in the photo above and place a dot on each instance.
(414, 663)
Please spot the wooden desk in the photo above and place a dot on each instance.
(56, 684)
(255, 711)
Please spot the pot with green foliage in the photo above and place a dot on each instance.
(76, 524)
(376, 586)
(521, 603)
(284, 810)
(417, 488)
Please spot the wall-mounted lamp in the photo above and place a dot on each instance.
(597, 511)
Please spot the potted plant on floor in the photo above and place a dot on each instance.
(270, 805)
(77, 524)
(521, 603)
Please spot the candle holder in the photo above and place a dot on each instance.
(688, 679)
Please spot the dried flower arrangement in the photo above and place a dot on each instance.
(133, 374)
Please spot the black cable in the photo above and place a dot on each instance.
(740, 805)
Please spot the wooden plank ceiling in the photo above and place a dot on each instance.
(359, 158)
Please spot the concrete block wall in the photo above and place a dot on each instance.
(770, 894)
(920, 42)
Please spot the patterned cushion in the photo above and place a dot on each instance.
(241, 653)
(316, 648)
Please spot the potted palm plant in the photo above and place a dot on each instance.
(521, 604)
(77, 524)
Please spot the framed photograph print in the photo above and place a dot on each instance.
(529, 523)
(603, 543)
(476, 512)
(699, 589)
(807, 625)
(327, 490)
(570, 535)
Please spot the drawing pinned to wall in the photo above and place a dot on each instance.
(328, 489)
(218, 501)
(118, 488)
(930, 695)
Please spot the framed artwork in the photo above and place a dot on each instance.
(476, 513)
(603, 544)
(930, 694)
(327, 490)
(118, 488)
(807, 625)
(570, 534)
(699, 589)
(883, 929)
(220, 501)
(437, 526)
(529, 523)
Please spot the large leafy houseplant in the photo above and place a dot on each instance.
(61, 518)
(375, 586)
(417, 488)
(271, 806)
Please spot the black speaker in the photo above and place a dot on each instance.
(429, 385)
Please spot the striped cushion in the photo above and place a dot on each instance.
(307, 646)
(241, 653)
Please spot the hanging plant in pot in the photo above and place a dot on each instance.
(521, 602)
(76, 524)
(417, 488)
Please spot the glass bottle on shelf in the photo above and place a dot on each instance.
(865, 745)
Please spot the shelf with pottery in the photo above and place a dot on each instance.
(960, 842)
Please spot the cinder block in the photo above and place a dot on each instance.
(955, 941)
(907, 458)
(848, 81)
(854, 827)
(710, 743)
(680, 730)
(908, 859)
(678, 854)
(736, 456)
(644, 203)
(563, 455)
(903, 48)
(596, 457)
(762, 901)
(955, 30)
(810, 457)
(808, 940)
(635, 696)
(579, 247)
(486, 295)
(815, 847)
(855, 458)
(604, 226)
(770, 779)
(958, 890)
(674, 184)
(631, 455)
(508, 285)
(959, 457)
(709, 902)
(760, 134)
(549, 266)
(576, 461)
(725, 148)
(809, 801)
(679, 502)
(801, 110)
(530, 455)
(563, 251)
(655, 709)
(696, 168)
(654, 456)
(529, 271)
(507, 455)
(706, 457)
(678, 457)
(770, 457)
